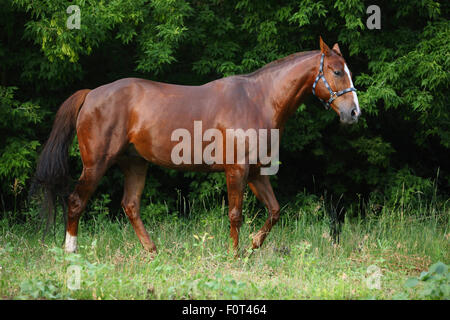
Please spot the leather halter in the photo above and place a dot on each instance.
(333, 94)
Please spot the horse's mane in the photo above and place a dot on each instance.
(277, 62)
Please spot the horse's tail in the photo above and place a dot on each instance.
(52, 171)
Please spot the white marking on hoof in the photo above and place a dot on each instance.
(71, 243)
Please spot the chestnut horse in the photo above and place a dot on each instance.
(129, 122)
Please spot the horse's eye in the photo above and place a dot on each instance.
(338, 73)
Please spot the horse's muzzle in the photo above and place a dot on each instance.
(349, 117)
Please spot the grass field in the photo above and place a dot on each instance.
(374, 259)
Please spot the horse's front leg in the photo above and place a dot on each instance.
(261, 187)
(236, 176)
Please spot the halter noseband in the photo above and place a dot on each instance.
(333, 94)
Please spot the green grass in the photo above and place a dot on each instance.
(297, 261)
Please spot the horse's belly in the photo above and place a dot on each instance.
(161, 150)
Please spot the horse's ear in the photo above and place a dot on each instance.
(324, 48)
(336, 49)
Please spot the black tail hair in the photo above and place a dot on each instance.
(52, 175)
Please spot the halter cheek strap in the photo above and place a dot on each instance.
(333, 94)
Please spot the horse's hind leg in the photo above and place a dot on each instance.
(135, 170)
(236, 177)
(261, 187)
(78, 199)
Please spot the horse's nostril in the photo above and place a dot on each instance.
(353, 113)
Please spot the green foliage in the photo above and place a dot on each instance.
(39, 289)
(206, 186)
(162, 33)
(17, 142)
(375, 149)
(99, 207)
(404, 187)
(210, 287)
(92, 274)
(402, 74)
(416, 80)
(436, 282)
(153, 212)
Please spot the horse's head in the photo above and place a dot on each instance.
(334, 86)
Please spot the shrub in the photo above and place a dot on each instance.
(435, 282)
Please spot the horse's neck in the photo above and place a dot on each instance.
(286, 85)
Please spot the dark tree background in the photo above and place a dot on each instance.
(402, 72)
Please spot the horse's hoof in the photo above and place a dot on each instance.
(257, 242)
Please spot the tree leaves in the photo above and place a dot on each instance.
(402, 73)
